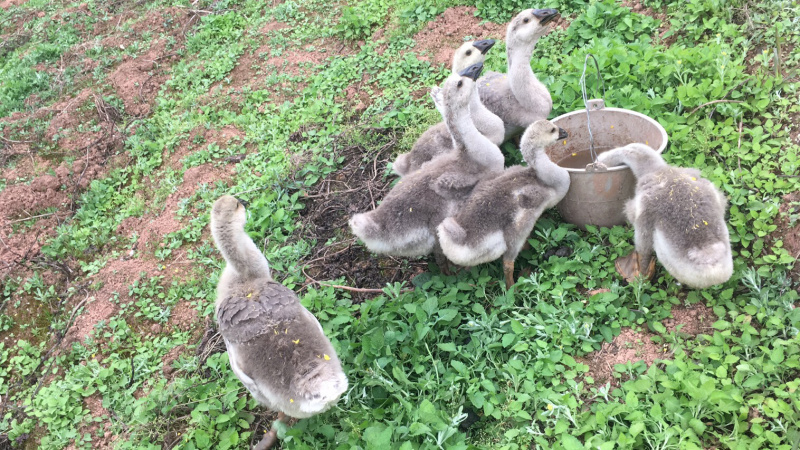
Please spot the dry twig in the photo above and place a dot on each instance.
(714, 102)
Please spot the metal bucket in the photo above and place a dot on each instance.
(597, 196)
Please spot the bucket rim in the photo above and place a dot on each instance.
(659, 127)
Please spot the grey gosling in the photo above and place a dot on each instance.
(519, 98)
(678, 214)
(501, 212)
(436, 140)
(404, 224)
(275, 346)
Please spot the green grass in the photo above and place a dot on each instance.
(421, 363)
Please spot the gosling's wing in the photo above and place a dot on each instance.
(246, 315)
(453, 184)
(531, 196)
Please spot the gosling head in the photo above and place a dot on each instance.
(528, 26)
(470, 53)
(228, 210)
(539, 135)
(458, 87)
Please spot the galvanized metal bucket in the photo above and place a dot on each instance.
(597, 196)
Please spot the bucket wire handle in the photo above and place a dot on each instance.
(600, 82)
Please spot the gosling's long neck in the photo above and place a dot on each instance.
(484, 120)
(469, 141)
(240, 252)
(527, 89)
(641, 159)
(548, 172)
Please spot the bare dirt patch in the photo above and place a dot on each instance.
(788, 231)
(199, 139)
(637, 7)
(69, 114)
(5, 4)
(152, 228)
(94, 404)
(171, 357)
(358, 98)
(355, 188)
(184, 317)
(44, 187)
(114, 280)
(690, 320)
(440, 37)
(300, 62)
(253, 68)
(629, 346)
(137, 80)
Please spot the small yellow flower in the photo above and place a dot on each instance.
(694, 179)
(647, 142)
(249, 295)
(291, 400)
(723, 53)
(679, 62)
(550, 407)
(612, 127)
(327, 358)
(718, 35)
(706, 223)
(296, 342)
(574, 154)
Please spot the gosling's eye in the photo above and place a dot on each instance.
(526, 20)
(469, 52)
(459, 83)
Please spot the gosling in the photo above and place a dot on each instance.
(676, 213)
(404, 224)
(276, 347)
(501, 212)
(518, 97)
(437, 140)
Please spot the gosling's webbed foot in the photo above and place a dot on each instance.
(630, 267)
(270, 439)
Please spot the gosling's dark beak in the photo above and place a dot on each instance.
(483, 45)
(473, 71)
(545, 15)
(562, 133)
(243, 202)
